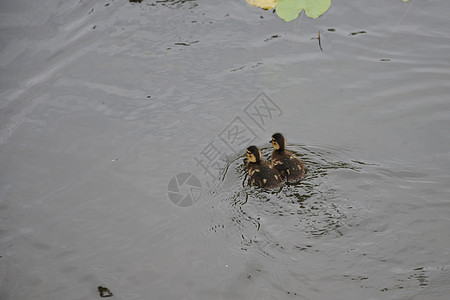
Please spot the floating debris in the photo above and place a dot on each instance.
(320, 44)
(104, 292)
(186, 44)
(237, 69)
(272, 37)
(318, 38)
(356, 32)
(264, 4)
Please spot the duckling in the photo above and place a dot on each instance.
(290, 167)
(261, 173)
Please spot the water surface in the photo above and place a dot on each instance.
(102, 104)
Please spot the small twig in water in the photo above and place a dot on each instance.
(320, 44)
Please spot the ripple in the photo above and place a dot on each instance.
(279, 220)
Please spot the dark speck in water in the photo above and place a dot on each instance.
(186, 44)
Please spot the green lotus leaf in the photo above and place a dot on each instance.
(288, 10)
(315, 8)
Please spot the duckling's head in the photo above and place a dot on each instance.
(253, 154)
(278, 141)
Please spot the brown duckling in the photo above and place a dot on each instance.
(261, 173)
(290, 167)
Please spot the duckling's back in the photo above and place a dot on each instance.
(263, 175)
(290, 168)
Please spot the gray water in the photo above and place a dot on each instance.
(103, 103)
